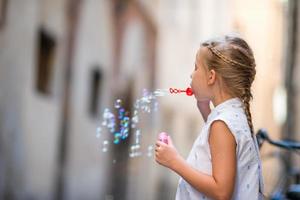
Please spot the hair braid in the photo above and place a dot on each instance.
(226, 59)
(246, 98)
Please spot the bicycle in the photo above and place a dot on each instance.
(289, 186)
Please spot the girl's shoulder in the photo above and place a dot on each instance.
(235, 119)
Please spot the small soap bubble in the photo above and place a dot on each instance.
(105, 146)
(118, 103)
(117, 138)
(106, 113)
(160, 92)
(150, 149)
(134, 151)
(155, 106)
(134, 120)
(124, 133)
(98, 132)
(145, 100)
(137, 136)
(137, 104)
(121, 113)
(145, 92)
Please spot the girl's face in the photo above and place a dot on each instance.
(201, 78)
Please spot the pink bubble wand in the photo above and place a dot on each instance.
(163, 137)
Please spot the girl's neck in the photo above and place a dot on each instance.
(218, 99)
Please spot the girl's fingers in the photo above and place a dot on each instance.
(159, 143)
(170, 140)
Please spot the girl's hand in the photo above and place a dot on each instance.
(166, 154)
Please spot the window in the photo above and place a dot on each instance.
(3, 7)
(45, 58)
(96, 79)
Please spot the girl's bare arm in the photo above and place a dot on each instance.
(223, 151)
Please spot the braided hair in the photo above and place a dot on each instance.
(232, 58)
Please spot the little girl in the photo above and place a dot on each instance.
(224, 162)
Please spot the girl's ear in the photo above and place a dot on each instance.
(211, 77)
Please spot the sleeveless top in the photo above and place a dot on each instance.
(249, 181)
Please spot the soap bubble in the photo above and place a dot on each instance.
(134, 121)
(137, 136)
(118, 103)
(121, 113)
(121, 123)
(117, 138)
(105, 146)
(137, 104)
(134, 151)
(150, 149)
(160, 92)
(98, 132)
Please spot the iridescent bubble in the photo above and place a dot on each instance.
(137, 136)
(145, 92)
(155, 107)
(150, 150)
(98, 132)
(134, 121)
(147, 103)
(121, 113)
(160, 92)
(124, 133)
(108, 120)
(124, 127)
(105, 146)
(106, 113)
(145, 100)
(148, 110)
(137, 104)
(118, 103)
(134, 151)
(117, 138)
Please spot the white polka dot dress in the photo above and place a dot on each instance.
(249, 181)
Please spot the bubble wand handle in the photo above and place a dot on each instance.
(188, 91)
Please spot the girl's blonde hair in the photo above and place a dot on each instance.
(233, 60)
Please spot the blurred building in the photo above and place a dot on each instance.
(60, 66)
